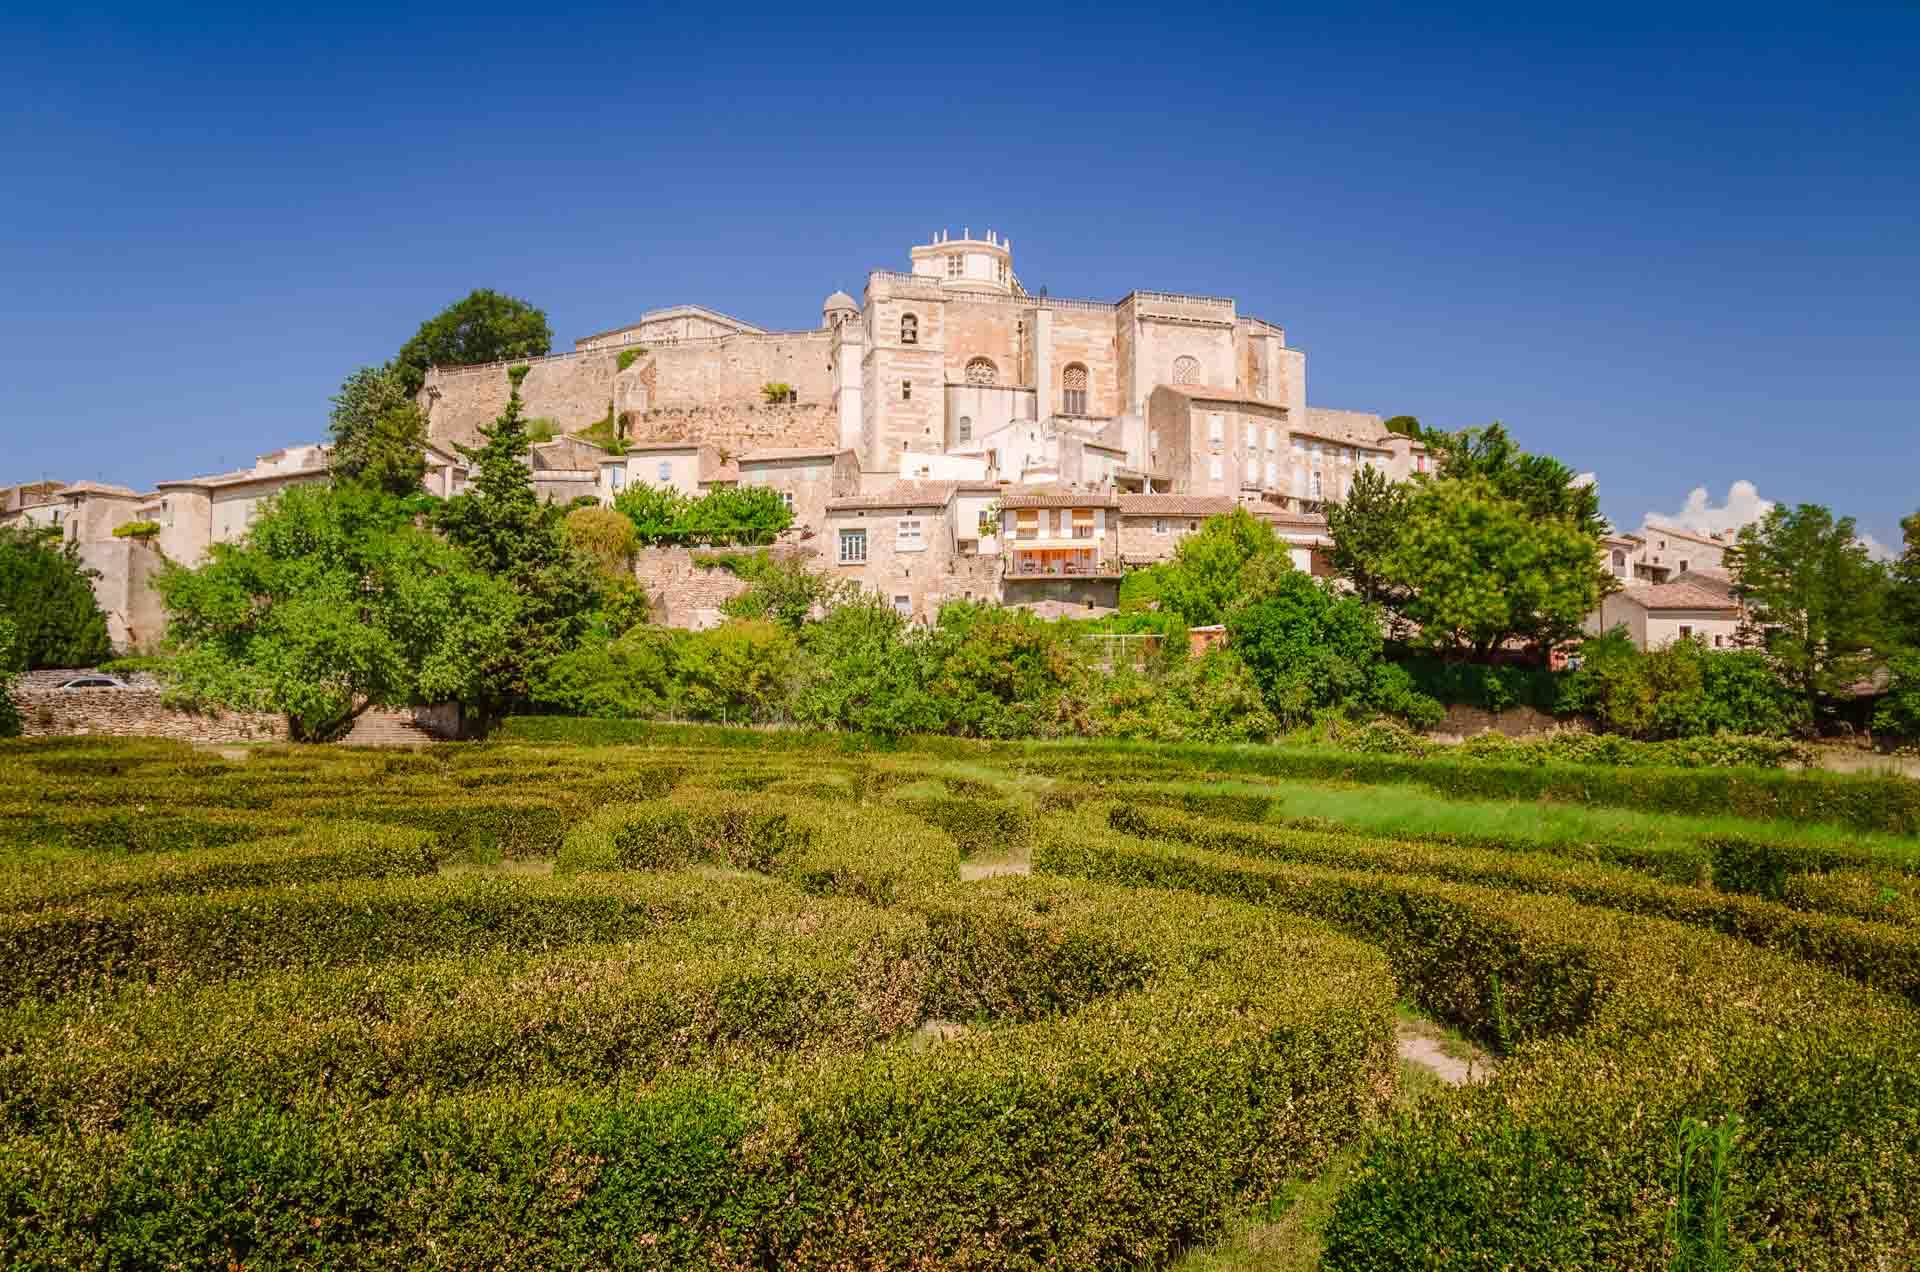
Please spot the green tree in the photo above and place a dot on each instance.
(48, 594)
(1311, 647)
(1898, 711)
(11, 657)
(484, 327)
(333, 603)
(502, 524)
(1477, 569)
(1813, 595)
(658, 513)
(1364, 527)
(863, 671)
(1904, 600)
(1544, 486)
(631, 676)
(604, 537)
(379, 434)
(1213, 570)
(739, 671)
(1000, 673)
(747, 515)
(783, 590)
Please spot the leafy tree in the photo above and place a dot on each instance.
(1477, 569)
(783, 590)
(502, 524)
(333, 603)
(737, 515)
(740, 670)
(631, 676)
(604, 537)
(863, 672)
(1898, 711)
(1364, 527)
(1212, 698)
(484, 327)
(1311, 647)
(1904, 600)
(11, 656)
(1544, 486)
(1211, 571)
(658, 513)
(48, 594)
(1813, 595)
(379, 434)
(999, 673)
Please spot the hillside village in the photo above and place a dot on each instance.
(949, 437)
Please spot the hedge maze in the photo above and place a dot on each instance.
(678, 1004)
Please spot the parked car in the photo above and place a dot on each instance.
(96, 682)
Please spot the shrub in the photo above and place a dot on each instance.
(630, 356)
(136, 530)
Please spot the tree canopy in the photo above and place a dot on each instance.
(485, 326)
(1904, 600)
(1219, 567)
(379, 434)
(1814, 595)
(726, 516)
(48, 594)
(333, 603)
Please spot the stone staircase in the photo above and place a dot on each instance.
(379, 727)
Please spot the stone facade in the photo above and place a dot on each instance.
(49, 711)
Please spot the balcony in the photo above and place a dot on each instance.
(1025, 562)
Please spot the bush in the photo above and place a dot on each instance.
(136, 530)
(1898, 712)
(1485, 687)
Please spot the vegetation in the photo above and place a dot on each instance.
(12, 655)
(136, 530)
(630, 356)
(48, 596)
(485, 326)
(728, 515)
(379, 434)
(696, 1000)
(775, 392)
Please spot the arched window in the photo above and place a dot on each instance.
(982, 371)
(1186, 370)
(909, 329)
(966, 429)
(1073, 384)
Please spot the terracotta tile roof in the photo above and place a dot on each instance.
(791, 452)
(729, 471)
(1175, 505)
(907, 494)
(1349, 428)
(99, 488)
(1061, 499)
(1692, 536)
(1231, 397)
(1678, 596)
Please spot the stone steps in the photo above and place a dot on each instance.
(377, 727)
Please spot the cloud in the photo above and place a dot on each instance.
(1701, 515)
(1876, 549)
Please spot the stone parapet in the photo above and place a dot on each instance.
(137, 712)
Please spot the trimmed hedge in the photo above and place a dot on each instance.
(1624, 1035)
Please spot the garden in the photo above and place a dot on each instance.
(616, 994)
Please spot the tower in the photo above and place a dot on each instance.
(967, 263)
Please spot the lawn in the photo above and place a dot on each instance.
(706, 998)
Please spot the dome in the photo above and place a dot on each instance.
(840, 300)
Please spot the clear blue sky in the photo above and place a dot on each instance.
(1677, 246)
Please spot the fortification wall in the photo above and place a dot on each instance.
(738, 427)
(571, 389)
(48, 711)
(732, 370)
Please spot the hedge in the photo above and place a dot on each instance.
(1625, 1035)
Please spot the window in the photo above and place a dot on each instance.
(909, 329)
(1192, 526)
(853, 547)
(956, 265)
(1683, 566)
(903, 605)
(987, 527)
(1073, 384)
(1719, 641)
(1216, 428)
(911, 536)
(1026, 524)
(982, 371)
(1685, 631)
(1186, 370)
(616, 475)
(906, 390)
(1273, 438)
(1299, 483)
(1159, 525)
(1273, 473)
(1316, 486)
(1620, 563)
(1253, 433)
(666, 471)
(1001, 271)
(786, 500)
(1253, 471)
(966, 428)
(1083, 523)
(1214, 468)
(1346, 454)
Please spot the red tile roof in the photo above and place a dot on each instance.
(1679, 596)
(907, 494)
(1176, 505)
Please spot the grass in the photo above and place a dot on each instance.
(1409, 811)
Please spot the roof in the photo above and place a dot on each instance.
(1231, 397)
(671, 311)
(1691, 535)
(566, 452)
(646, 448)
(723, 473)
(1176, 505)
(1280, 517)
(906, 494)
(1678, 596)
(1350, 428)
(839, 300)
(1062, 499)
(772, 453)
(99, 488)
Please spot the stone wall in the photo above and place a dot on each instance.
(573, 390)
(48, 711)
(738, 427)
(680, 593)
(733, 370)
(1516, 722)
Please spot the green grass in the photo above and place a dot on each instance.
(1402, 810)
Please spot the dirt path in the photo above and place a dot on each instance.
(1451, 1060)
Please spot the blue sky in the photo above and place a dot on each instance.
(1677, 246)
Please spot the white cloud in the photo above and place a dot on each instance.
(1876, 549)
(1700, 514)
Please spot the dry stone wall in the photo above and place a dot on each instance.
(735, 428)
(49, 711)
